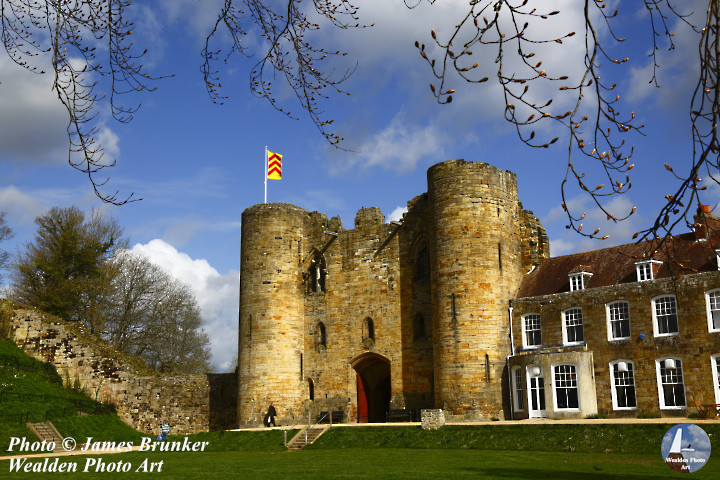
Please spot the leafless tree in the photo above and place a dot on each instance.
(155, 317)
(583, 104)
(590, 110)
(93, 59)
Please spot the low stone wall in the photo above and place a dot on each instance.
(432, 419)
(143, 398)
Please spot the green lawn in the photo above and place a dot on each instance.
(384, 463)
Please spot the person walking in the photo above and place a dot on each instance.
(270, 416)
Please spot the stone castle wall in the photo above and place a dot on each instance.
(433, 288)
(143, 398)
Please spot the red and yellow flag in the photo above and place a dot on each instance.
(274, 166)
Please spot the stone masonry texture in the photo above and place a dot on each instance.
(143, 398)
(413, 313)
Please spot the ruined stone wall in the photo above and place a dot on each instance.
(143, 398)
(694, 345)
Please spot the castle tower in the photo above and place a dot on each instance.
(476, 264)
(271, 312)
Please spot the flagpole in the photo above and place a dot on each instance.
(265, 173)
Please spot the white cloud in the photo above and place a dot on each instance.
(216, 293)
(21, 207)
(399, 147)
(110, 142)
(397, 214)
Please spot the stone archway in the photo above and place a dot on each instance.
(373, 387)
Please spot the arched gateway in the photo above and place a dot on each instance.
(373, 387)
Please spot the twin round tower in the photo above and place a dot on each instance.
(385, 316)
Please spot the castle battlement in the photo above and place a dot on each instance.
(386, 315)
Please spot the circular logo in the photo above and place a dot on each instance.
(685, 448)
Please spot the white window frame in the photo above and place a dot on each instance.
(518, 390)
(717, 257)
(577, 280)
(715, 365)
(709, 303)
(565, 327)
(656, 325)
(630, 382)
(525, 330)
(661, 396)
(555, 386)
(644, 270)
(611, 317)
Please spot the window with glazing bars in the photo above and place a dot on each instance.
(532, 330)
(666, 315)
(574, 325)
(619, 316)
(624, 385)
(566, 386)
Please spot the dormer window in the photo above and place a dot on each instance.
(645, 269)
(717, 257)
(578, 279)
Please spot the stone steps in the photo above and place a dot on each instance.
(300, 440)
(46, 431)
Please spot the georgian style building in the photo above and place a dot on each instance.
(616, 333)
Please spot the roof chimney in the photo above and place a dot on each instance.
(705, 222)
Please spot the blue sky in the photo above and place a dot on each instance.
(197, 165)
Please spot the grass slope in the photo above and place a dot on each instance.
(31, 391)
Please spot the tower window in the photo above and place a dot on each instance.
(320, 336)
(318, 273)
(368, 332)
(499, 256)
(422, 265)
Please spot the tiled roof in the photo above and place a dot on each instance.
(681, 255)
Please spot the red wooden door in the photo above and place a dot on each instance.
(362, 400)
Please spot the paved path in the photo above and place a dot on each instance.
(532, 421)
